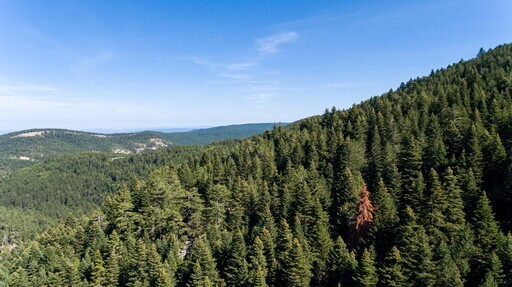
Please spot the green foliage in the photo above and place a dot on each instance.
(280, 209)
(366, 274)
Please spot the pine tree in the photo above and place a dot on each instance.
(162, 278)
(391, 272)
(341, 264)
(454, 213)
(345, 198)
(365, 211)
(385, 219)
(494, 275)
(138, 273)
(366, 274)
(505, 255)
(446, 271)
(320, 242)
(200, 253)
(416, 252)
(435, 155)
(487, 232)
(270, 255)
(258, 265)
(435, 220)
(98, 270)
(298, 271)
(197, 277)
(283, 249)
(473, 153)
(112, 269)
(410, 161)
(375, 162)
(154, 265)
(236, 270)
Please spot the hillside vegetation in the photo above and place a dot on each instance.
(412, 188)
(24, 148)
(72, 184)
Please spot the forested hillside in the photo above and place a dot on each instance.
(35, 197)
(25, 148)
(412, 188)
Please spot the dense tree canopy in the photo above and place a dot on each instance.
(411, 188)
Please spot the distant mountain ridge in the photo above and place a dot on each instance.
(23, 148)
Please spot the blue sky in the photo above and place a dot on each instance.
(145, 64)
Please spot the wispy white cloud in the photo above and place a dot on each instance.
(216, 66)
(242, 66)
(255, 84)
(235, 76)
(271, 44)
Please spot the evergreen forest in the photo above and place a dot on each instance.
(410, 188)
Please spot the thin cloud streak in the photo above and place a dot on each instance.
(271, 44)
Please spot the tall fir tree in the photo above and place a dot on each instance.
(366, 274)
(391, 272)
(258, 265)
(341, 264)
(298, 271)
(416, 252)
(236, 267)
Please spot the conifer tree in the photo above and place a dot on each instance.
(454, 213)
(385, 219)
(138, 273)
(258, 265)
(435, 155)
(410, 160)
(270, 255)
(434, 212)
(298, 271)
(320, 242)
(365, 211)
(473, 153)
(416, 252)
(345, 201)
(375, 161)
(505, 255)
(162, 278)
(200, 253)
(197, 277)
(391, 272)
(98, 270)
(366, 274)
(154, 264)
(236, 269)
(494, 272)
(487, 233)
(446, 271)
(284, 246)
(112, 269)
(341, 264)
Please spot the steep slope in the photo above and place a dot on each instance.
(400, 190)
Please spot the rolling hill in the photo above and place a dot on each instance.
(24, 148)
